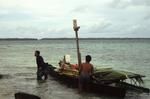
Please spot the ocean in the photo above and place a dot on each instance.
(17, 64)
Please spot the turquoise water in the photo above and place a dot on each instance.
(17, 63)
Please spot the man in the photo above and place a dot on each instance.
(41, 66)
(86, 71)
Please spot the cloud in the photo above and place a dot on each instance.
(129, 3)
(147, 17)
(81, 9)
(12, 16)
(99, 26)
(53, 18)
(140, 2)
(36, 32)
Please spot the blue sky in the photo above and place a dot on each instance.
(53, 18)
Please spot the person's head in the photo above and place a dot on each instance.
(37, 53)
(88, 58)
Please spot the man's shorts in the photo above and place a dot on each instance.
(84, 78)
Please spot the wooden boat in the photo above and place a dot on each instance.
(105, 80)
(70, 78)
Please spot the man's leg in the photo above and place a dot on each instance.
(87, 83)
(45, 75)
(39, 75)
(80, 80)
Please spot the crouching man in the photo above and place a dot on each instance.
(41, 66)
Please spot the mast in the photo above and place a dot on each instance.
(76, 28)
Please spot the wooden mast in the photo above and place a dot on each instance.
(76, 28)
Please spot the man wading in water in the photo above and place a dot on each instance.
(86, 71)
(41, 66)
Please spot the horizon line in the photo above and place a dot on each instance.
(71, 38)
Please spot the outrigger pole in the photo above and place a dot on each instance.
(76, 28)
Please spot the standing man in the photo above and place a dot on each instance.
(86, 71)
(41, 66)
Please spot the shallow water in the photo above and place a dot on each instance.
(17, 64)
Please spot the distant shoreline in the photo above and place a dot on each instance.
(18, 39)
(71, 38)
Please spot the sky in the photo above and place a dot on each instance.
(54, 18)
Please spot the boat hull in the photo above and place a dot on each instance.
(72, 81)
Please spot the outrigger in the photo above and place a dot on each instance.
(104, 80)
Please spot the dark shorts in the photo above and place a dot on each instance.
(84, 79)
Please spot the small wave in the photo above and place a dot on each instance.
(24, 74)
(29, 79)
